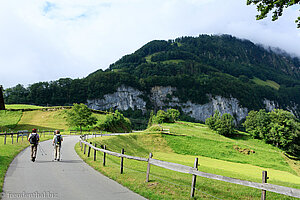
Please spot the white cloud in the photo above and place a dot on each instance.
(45, 40)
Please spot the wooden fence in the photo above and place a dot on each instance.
(21, 134)
(264, 186)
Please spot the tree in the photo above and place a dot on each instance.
(115, 122)
(266, 6)
(173, 115)
(226, 125)
(163, 117)
(2, 105)
(279, 128)
(257, 123)
(284, 130)
(223, 125)
(213, 121)
(150, 119)
(80, 115)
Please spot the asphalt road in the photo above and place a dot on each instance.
(70, 178)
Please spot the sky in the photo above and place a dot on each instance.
(44, 40)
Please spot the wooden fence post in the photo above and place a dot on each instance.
(122, 162)
(81, 145)
(89, 151)
(95, 152)
(84, 150)
(264, 180)
(17, 137)
(5, 138)
(148, 167)
(104, 155)
(194, 179)
(22, 136)
(12, 138)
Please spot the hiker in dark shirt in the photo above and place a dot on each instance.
(34, 139)
(57, 140)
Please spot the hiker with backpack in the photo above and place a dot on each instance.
(34, 139)
(57, 140)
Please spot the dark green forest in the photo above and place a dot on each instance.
(196, 66)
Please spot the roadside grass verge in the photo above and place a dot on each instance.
(166, 184)
(9, 119)
(9, 151)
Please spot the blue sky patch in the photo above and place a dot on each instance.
(48, 7)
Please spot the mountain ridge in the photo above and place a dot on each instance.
(200, 68)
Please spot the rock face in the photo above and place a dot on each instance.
(159, 97)
(123, 99)
(163, 98)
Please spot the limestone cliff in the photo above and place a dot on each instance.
(163, 98)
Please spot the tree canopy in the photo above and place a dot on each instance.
(279, 128)
(115, 122)
(80, 115)
(266, 6)
(222, 124)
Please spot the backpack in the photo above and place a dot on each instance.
(58, 139)
(33, 139)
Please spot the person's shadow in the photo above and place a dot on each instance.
(61, 161)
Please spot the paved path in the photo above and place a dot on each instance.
(71, 178)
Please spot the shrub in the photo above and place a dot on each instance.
(115, 122)
(163, 117)
(223, 125)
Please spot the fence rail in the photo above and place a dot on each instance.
(21, 134)
(194, 171)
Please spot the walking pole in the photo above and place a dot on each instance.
(41, 150)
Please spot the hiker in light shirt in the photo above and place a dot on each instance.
(57, 140)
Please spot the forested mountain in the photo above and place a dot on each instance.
(198, 67)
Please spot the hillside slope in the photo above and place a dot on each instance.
(216, 155)
(195, 74)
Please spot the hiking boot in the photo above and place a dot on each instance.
(57, 159)
(33, 159)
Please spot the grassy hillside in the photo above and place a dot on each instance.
(43, 120)
(21, 106)
(216, 155)
(39, 118)
(198, 139)
(216, 65)
(9, 119)
(269, 83)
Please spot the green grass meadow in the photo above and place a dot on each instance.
(167, 184)
(182, 143)
(9, 119)
(269, 83)
(21, 106)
